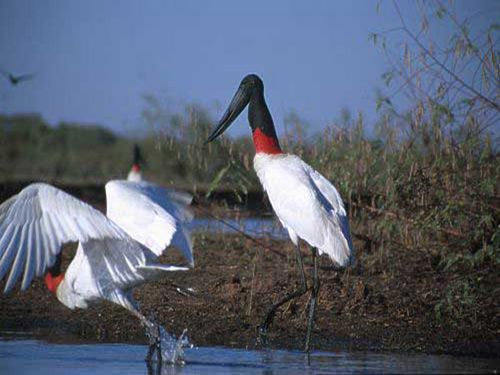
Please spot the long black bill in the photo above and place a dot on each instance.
(239, 102)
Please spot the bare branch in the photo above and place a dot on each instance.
(440, 64)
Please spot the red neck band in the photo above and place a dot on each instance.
(53, 282)
(266, 144)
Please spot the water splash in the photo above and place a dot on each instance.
(172, 348)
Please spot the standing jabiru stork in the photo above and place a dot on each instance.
(306, 203)
(116, 252)
(135, 173)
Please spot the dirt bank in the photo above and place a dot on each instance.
(374, 306)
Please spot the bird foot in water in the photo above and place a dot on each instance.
(263, 338)
(154, 336)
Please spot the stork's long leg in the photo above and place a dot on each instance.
(153, 333)
(272, 310)
(154, 368)
(312, 305)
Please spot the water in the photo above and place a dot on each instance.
(172, 348)
(40, 357)
(253, 226)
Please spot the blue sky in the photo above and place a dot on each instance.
(94, 60)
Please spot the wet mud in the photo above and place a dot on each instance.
(224, 298)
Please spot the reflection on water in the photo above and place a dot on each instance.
(253, 226)
(39, 357)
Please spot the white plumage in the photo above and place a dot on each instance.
(153, 215)
(134, 174)
(307, 204)
(115, 253)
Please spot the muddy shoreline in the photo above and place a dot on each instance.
(235, 281)
(391, 301)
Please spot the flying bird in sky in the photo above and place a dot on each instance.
(15, 80)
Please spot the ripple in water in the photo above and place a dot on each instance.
(20, 356)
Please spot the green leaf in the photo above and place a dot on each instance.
(215, 182)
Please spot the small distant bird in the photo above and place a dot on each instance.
(115, 254)
(15, 80)
(306, 203)
(135, 172)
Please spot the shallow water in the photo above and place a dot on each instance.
(253, 226)
(29, 356)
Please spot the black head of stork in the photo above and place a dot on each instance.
(251, 93)
(138, 159)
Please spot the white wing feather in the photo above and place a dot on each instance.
(108, 268)
(152, 215)
(36, 222)
(331, 201)
(307, 204)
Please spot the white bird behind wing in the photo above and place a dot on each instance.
(152, 215)
(307, 204)
(134, 175)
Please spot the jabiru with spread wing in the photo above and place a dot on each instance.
(116, 252)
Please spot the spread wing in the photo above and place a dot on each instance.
(24, 77)
(152, 215)
(36, 222)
